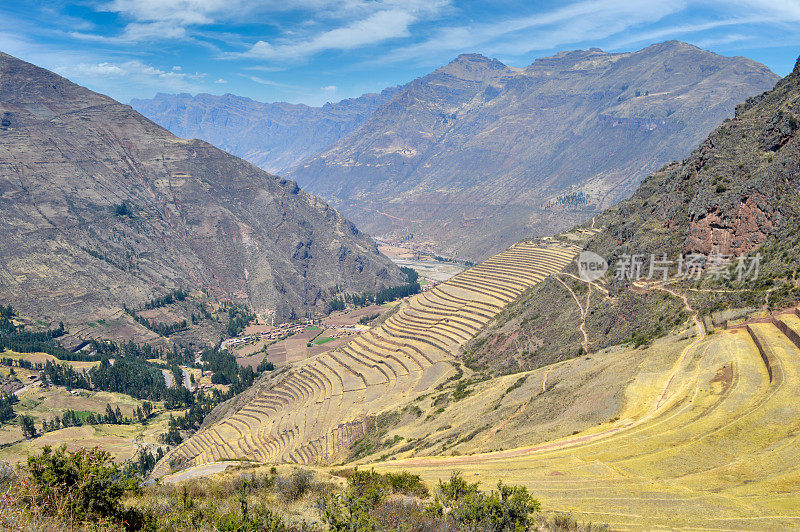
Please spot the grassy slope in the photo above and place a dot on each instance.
(476, 414)
(703, 440)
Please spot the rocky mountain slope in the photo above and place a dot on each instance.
(477, 154)
(100, 207)
(272, 136)
(736, 194)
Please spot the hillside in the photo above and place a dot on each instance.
(272, 136)
(694, 432)
(655, 424)
(314, 410)
(478, 155)
(735, 194)
(401, 389)
(100, 208)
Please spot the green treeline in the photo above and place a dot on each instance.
(409, 288)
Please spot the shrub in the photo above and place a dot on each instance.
(407, 484)
(262, 520)
(295, 485)
(352, 510)
(509, 508)
(519, 382)
(122, 209)
(93, 484)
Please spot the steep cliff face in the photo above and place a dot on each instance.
(735, 191)
(272, 136)
(477, 154)
(100, 207)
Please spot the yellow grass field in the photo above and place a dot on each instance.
(122, 441)
(706, 439)
(42, 358)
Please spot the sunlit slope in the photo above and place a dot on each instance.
(709, 442)
(320, 406)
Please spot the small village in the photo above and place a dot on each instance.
(272, 333)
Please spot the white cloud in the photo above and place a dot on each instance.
(628, 22)
(378, 27)
(221, 81)
(330, 88)
(105, 75)
(674, 32)
(721, 40)
(149, 20)
(262, 81)
(576, 22)
(775, 10)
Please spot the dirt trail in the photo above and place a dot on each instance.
(503, 423)
(199, 471)
(701, 334)
(582, 310)
(521, 408)
(544, 379)
(27, 387)
(596, 286)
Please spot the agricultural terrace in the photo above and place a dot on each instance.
(316, 409)
(706, 438)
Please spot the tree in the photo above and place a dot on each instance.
(122, 209)
(28, 427)
(111, 416)
(7, 403)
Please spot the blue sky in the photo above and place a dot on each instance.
(313, 51)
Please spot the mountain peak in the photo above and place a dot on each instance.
(474, 67)
(673, 46)
(471, 58)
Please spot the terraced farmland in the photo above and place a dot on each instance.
(320, 406)
(707, 440)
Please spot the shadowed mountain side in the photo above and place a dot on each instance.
(100, 207)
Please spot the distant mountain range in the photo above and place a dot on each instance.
(477, 154)
(273, 136)
(100, 207)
